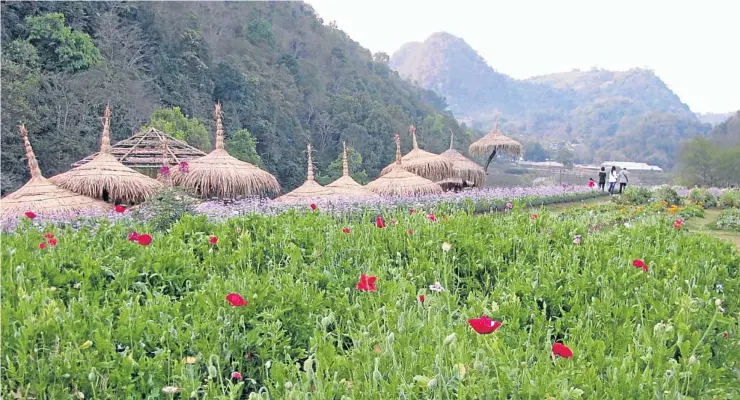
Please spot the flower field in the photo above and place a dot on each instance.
(604, 302)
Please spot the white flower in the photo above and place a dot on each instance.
(627, 225)
(170, 389)
(446, 247)
(437, 287)
(718, 302)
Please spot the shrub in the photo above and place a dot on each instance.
(636, 195)
(691, 210)
(702, 197)
(730, 198)
(668, 195)
(170, 204)
(729, 220)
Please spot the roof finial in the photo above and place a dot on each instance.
(105, 142)
(309, 175)
(219, 128)
(497, 123)
(345, 164)
(412, 131)
(398, 148)
(33, 165)
(452, 138)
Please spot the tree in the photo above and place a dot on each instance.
(533, 151)
(60, 47)
(565, 156)
(243, 146)
(356, 170)
(703, 162)
(381, 57)
(173, 122)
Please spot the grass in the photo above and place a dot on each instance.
(705, 226)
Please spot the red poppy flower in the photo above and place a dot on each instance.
(380, 222)
(42, 245)
(432, 217)
(52, 241)
(236, 300)
(144, 239)
(313, 207)
(213, 240)
(725, 335)
(48, 235)
(509, 205)
(346, 230)
(249, 356)
(410, 231)
(421, 298)
(640, 264)
(164, 170)
(120, 209)
(367, 283)
(30, 215)
(484, 325)
(534, 217)
(184, 167)
(133, 236)
(678, 224)
(236, 375)
(412, 211)
(561, 350)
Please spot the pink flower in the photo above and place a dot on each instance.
(213, 240)
(346, 230)
(133, 236)
(484, 325)
(367, 283)
(577, 239)
(236, 300)
(393, 222)
(164, 170)
(184, 167)
(144, 239)
(313, 207)
(509, 206)
(236, 375)
(410, 231)
(559, 349)
(42, 245)
(432, 217)
(52, 241)
(640, 264)
(533, 217)
(120, 209)
(48, 235)
(412, 211)
(30, 215)
(380, 222)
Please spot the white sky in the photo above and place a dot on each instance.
(692, 45)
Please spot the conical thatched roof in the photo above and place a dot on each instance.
(345, 185)
(41, 196)
(465, 172)
(218, 174)
(143, 150)
(494, 142)
(399, 182)
(423, 163)
(105, 177)
(310, 190)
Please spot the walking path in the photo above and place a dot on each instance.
(704, 225)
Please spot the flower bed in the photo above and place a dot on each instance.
(729, 220)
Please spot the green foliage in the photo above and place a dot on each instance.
(729, 198)
(169, 206)
(703, 197)
(634, 195)
(334, 171)
(533, 151)
(120, 320)
(690, 211)
(565, 156)
(60, 47)
(667, 195)
(729, 220)
(243, 146)
(709, 162)
(173, 122)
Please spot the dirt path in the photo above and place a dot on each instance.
(704, 225)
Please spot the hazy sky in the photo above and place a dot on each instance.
(692, 45)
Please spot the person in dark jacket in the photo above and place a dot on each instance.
(602, 179)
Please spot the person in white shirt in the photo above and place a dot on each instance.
(612, 179)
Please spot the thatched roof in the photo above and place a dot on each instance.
(104, 176)
(423, 163)
(310, 190)
(218, 174)
(41, 196)
(465, 172)
(345, 185)
(143, 150)
(495, 141)
(399, 182)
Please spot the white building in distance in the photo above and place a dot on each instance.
(631, 166)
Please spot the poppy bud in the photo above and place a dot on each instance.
(449, 339)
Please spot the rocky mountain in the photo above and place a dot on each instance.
(612, 114)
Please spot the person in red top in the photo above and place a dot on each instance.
(591, 183)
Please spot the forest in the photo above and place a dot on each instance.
(284, 77)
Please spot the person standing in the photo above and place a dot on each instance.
(602, 179)
(624, 177)
(612, 179)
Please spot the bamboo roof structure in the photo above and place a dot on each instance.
(423, 163)
(104, 177)
(494, 142)
(219, 175)
(310, 190)
(143, 150)
(345, 185)
(465, 172)
(400, 182)
(40, 196)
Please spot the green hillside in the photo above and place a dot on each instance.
(281, 74)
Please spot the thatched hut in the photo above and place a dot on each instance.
(465, 172)
(104, 177)
(345, 185)
(494, 142)
(423, 163)
(220, 175)
(400, 182)
(310, 191)
(40, 196)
